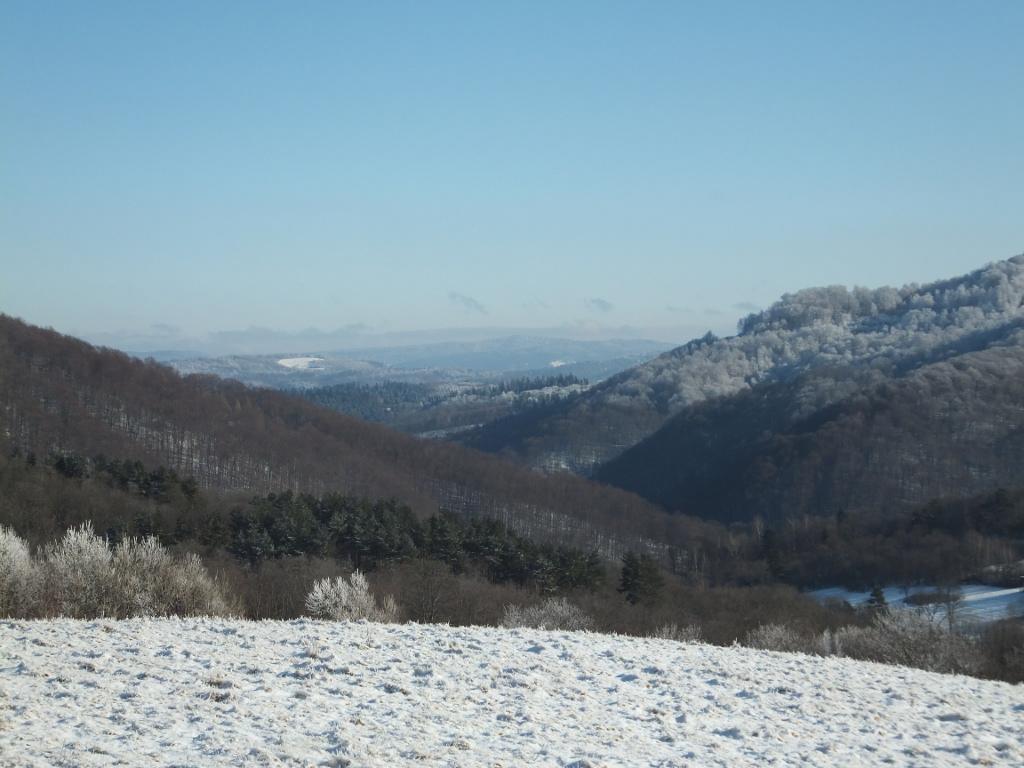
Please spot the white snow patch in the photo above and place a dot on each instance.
(301, 363)
(980, 603)
(223, 692)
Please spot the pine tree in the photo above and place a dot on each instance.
(444, 541)
(877, 600)
(629, 583)
(641, 579)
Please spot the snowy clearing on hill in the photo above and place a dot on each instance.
(221, 692)
(979, 604)
(300, 363)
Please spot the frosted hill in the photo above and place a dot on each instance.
(845, 439)
(213, 692)
(809, 329)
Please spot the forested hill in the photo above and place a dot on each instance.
(60, 394)
(844, 440)
(812, 329)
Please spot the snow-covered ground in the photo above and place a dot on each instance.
(217, 692)
(301, 363)
(980, 604)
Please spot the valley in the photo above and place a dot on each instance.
(479, 385)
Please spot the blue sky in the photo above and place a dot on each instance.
(592, 166)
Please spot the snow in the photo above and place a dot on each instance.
(224, 692)
(301, 363)
(981, 603)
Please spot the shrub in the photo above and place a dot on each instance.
(902, 637)
(139, 568)
(20, 589)
(150, 582)
(553, 613)
(689, 633)
(81, 576)
(778, 637)
(909, 638)
(190, 591)
(1002, 645)
(350, 600)
(430, 591)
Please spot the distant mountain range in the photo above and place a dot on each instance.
(829, 399)
(169, 342)
(455, 361)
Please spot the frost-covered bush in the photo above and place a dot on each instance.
(902, 637)
(82, 576)
(340, 600)
(190, 590)
(909, 638)
(20, 588)
(688, 633)
(150, 582)
(778, 637)
(552, 613)
(139, 568)
(79, 578)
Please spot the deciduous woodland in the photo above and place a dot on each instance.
(61, 395)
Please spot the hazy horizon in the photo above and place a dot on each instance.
(261, 340)
(268, 341)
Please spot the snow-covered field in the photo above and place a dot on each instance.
(217, 692)
(301, 363)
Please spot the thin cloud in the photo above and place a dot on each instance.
(597, 304)
(466, 302)
(745, 306)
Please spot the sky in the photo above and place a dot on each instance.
(611, 169)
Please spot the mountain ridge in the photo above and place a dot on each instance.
(841, 441)
(803, 330)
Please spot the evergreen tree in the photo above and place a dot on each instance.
(641, 579)
(444, 541)
(876, 601)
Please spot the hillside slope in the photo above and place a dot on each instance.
(811, 329)
(60, 394)
(312, 693)
(844, 439)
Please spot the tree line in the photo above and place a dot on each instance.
(942, 542)
(528, 384)
(368, 533)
